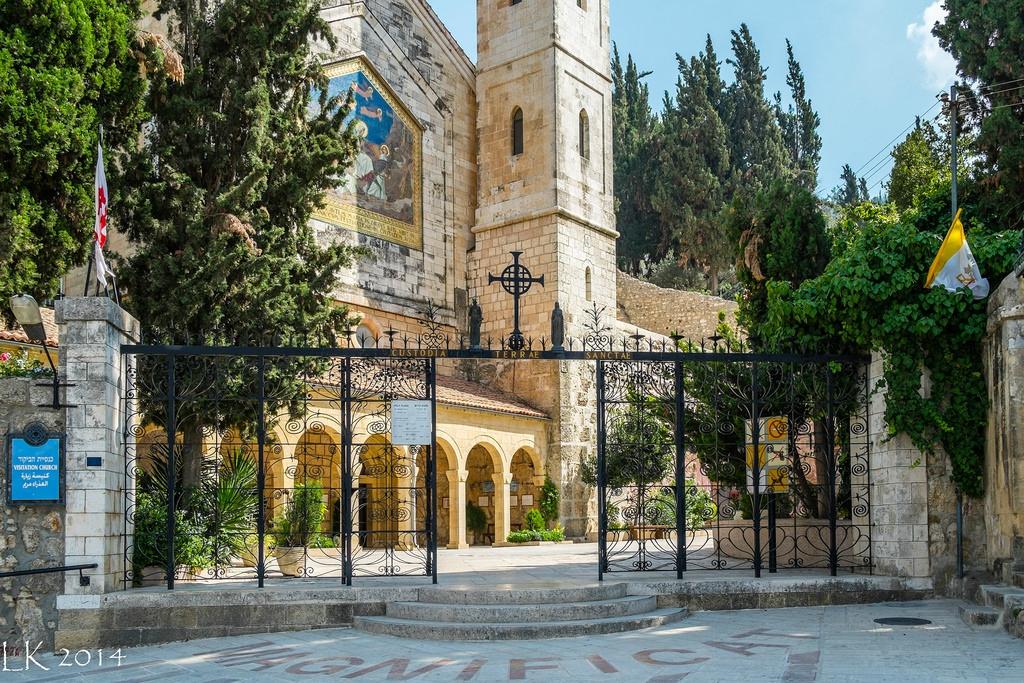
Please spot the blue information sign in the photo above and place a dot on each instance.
(34, 471)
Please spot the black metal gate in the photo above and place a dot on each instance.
(250, 463)
(727, 460)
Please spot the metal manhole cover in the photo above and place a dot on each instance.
(902, 621)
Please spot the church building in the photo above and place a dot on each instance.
(461, 164)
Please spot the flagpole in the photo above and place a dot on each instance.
(953, 112)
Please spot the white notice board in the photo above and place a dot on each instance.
(411, 423)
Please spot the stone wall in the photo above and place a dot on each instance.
(667, 311)
(423, 65)
(32, 537)
(1004, 453)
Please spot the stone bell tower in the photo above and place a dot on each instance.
(545, 189)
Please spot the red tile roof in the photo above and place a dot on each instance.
(17, 335)
(464, 394)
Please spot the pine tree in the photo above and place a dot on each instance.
(987, 41)
(757, 149)
(799, 125)
(862, 190)
(634, 128)
(851, 190)
(694, 172)
(65, 68)
(219, 196)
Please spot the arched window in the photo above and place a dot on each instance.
(517, 132)
(584, 134)
(365, 338)
(589, 284)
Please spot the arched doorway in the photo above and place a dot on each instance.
(482, 497)
(443, 499)
(380, 485)
(525, 488)
(318, 465)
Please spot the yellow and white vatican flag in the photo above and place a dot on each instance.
(954, 266)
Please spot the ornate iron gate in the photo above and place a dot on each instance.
(250, 462)
(728, 460)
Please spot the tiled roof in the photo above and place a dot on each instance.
(464, 394)
(16, 334)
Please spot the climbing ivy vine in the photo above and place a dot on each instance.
(871, 296)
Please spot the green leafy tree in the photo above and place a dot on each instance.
(916, 168)
(66, 67)
(639, 447)
(799, 125)
(549, 500)
(757, 149)
(987, 41)
(218, 198)
(634, 130)
(694, 171)
(782, 237)
(870, 297)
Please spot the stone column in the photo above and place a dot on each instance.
(457, 508)
(502, 506)
(92, 332)
(899, 494)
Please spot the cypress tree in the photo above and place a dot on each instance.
(217, 200)
(65, 68)
(694, 171)
(634, 128)
(799, 125)
(757, 149)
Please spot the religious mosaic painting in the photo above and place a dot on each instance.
(380, 194)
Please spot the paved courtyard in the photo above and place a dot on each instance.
(836, 643)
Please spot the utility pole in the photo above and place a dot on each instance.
(953, 112)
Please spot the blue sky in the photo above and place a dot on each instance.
(870, 65)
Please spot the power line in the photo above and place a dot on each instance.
(888, 145)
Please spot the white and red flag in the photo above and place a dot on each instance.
(100, 226)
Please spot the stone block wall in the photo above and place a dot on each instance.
(1003, 504)
(92, 332)
(425, 68)
(667, 311)
(913, 501)
(31, 536)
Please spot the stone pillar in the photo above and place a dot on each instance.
(457, 508)
(1003, 505)
(92, 332)
(502, 506)
(899, 494)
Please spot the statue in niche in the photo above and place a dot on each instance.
(557, 329)
(476, 318)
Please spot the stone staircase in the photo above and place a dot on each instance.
(519, 613)
(997, 605)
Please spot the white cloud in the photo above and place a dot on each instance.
(938, 64)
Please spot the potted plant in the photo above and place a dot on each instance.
(299, 547)
(149, 546)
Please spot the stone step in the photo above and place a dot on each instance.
(995, 595)
(523, 613)
(977, 615)
(521, 595)
(442, 630)
(1018, 580)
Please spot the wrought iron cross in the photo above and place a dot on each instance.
(516, 279)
